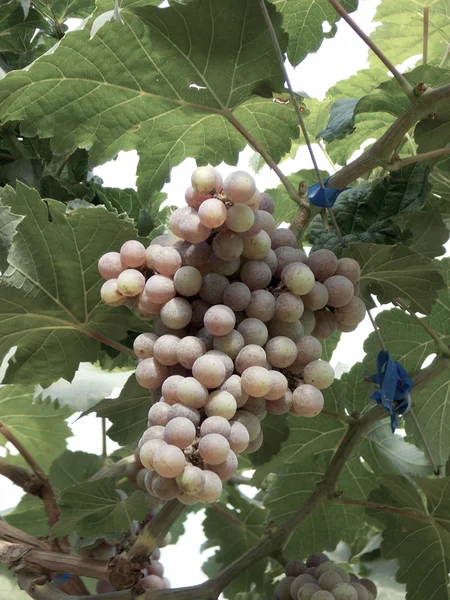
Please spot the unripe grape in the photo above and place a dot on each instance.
(168, 461)
(239, 187)
(280, 406)
(326, 324)
(221, 404)
(256, 247)
(192, 392)
(283, 237)
(180, 410)
(212, 488)
(254, 201)
(148, 450)
(323, 263)
(307, 591)
(192, 229)
(180, 432)
(195, 199)
(278, 387)
(348, 267)
(110, 265)
(177, 217)
(150, 373)
(227, 362)
(225, 469)
(308, 320)
(289, 307)
(250, 356)
(212, 213)
(267, 222)
(317, 298)
(130, 282)
(256, 274)
(239, 437)
(267, 204)
(165, 349)
(189, 349)
(363, 593)
(281, 352)
(228, 245)
(164, 488)
(219, 320)
(329, 579)
(307, 401)
(255, 228)
(176, 313)
(287, 255)
(319, 373)
(143, 345)
(213, 288)
(187, 500)
(283, 589)
(322, 595)
(132, 254)
(213, 448)
(155, 432)
(233, 385)
(352, 313)
(160, 289)
(240, 218)
(224, 267)
(170, 387)
(271, 261)
(188, 281)
(344, 591)
(369, 585)
(256, 381)
(215, 425)
(340, 291)
(167, 261)
(262, 305)
(191, 480)
(159, 414)
(250, 422)
(316, 559)
(203, 179)
(237, 296)
(152, 582)
(253, 331)
(293, 331)
(300, 581)
(110, 293)
(298, 278)
(230, 344)
(150, 254)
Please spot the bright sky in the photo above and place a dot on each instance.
(337, 59)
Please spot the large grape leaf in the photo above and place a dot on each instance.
(154, 84)
(428, 230)
(366, 212)
(400, 31)
(276, 432)
(16, 30)
(49, 296)
(29, 516)
(8, 223)
(65, 9)
(304, 20)
(416, 534)
(39, 425)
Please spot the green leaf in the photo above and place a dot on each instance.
(128, 413)
(123, 201)
(66, 9)
(391, 272)
(29, 516)
(8, 224)
(303, 20)
(95, 507)
(429, 233)
(49, 297)
(367, 212)
(329, 345)
(276, 432)
(163, 117)
(15, 29)
(40, 425)
(73, 467)
(341, 121)
(415, 534)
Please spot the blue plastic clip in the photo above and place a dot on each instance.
(323, 197)
(395, 387)
(61, 579)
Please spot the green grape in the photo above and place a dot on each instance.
(298, 278)
(307, 591)
(363, 593)
(256, 381)
(322, 595)
(191, 480)
(281, 352)
(203, 179)
(370, 586)
(257, 246)
(345, 591)
(328, 580)
(319, 373)
(300, 581)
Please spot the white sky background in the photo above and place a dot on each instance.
(337, 59)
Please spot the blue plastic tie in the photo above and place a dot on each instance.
(61, 579)
(395, 387)
(324, 197)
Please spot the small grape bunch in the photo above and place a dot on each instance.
(239, 311)
(322, 579)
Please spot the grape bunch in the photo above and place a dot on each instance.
(322, 579)
(238, 313)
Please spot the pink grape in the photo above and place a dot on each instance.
(308, 320)
(167, 261)
(283, 237)
(212, 213)
(160, 289)
(159, 414)
(189, 349)
(340, 290)
(209, 370)
(251, 355)
(230, 343)
(176, 313)
(132, 254)
(180, 432)
(213, 288)
(279, 385)
(110, 265)
(267, 221)
(250, 422)
(352, 313)
(255, 444)
(271, 261)
(165, 349)
(267, 204)
(215, 425)
(280, 406)
(170, 386)
(293, 331)
(213, 448)
(212, 488)
(219, 320)
(164, 488)
(262, 306)
(180, 410)
(177, 217)
(326, 324)
(253, 331)
(228, 245)
(233, 385)
(307, 401)
(317, 298)
(192, 229)
(152, 582)
(239, 187)
(323, 263)
(289, 307)
(192, 392)
(168, 461)
(256, 381)
(203, 179)
(348, 267)
(224, 267)
(195, 199)
(227, 468)
(143, 345)
(195, 255)
(147, 451)
(239, 437)
(256, 406)
(281, 352)
(240, 218)
(150, 373)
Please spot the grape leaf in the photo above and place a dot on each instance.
(303, 20)
(73, 467)
(415, 534)
(49, 296)
(341, 120)
(392, 272)
(429, 233)
(66, 9)
(166, 118)
(40, 425)
(29, 516)
(8, 223)
(276, 432)
(95, 507)
(128, 413)
(329, 345)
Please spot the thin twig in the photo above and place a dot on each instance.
(398, 164)
(383, 507)
(280, 58)
(327, 156)
(62, 165)
(337, 228)
(104, 340)
(426, 22)
(402, 81)
(20, 477)
(104, 450)
(426, 446)
(377, 331)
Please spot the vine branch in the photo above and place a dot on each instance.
(20, 477)
(426, 23)
(398, 164)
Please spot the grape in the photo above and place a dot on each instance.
(257, 246)
(213, 288)
(256, 406)
(278, 387)
(219, 320)
(280, 406)
(227, 362)
(152, 582)
(155, 568)
(333, 567)
(363, 593)
(298, 278)
(283, 589)
(212, 213)
(212, 488)
(348, 267)
(195, 255)
(308, 349)
(203, 179)
(180, 432)
(267, 222)
(307, 591)
(323, 263)
(329, 579)
(262, 305)
(340, 291)
(369, 585)
(149, 476)
(322, 595)
(234, 387)
(132, 254)
(319, 373)
(177, 216)
(227, 468)
(228, 245)
(110, 294)
(206, 337)
(143, 345)
(213, 448)
(253, 331)
(239, 187)
(289, 307)
(239, 437)
(166, 239)
(224, 267)
(256, 381)
(352, 313)
(254, 201)
(240, 218)
(167, 261)
(293, 331)
(215, 425)
(221, 404)
(151, 253)
(155, 432)
(160, 328)
(176, 313)
(230, 344)
(188, 281)
(312, 571)
(281, 351)
(308, 320)
(191, 480)
(317, 298)
(256, 274)
(250, 422)
(237, 296)
(326, 324)
(147, 451)
(150, 373)
(283, 237)
(168, 461)
(160, 289)
(189, 349)
(294, 568)
(345, 591)
(195, 199)
(165, 488)
(192, 392)
(271, 261)
(300, 581)
(159, 414)
(192, 229)
(130, 282)
(307, 401)
(180, 410)
(110, 265)
(140, 479)
(287, 255)
(255, 228)
(165, 349)
(187, 500)
(353, 578)
(170, 387)
(145, 304)
(250, 356)
(267, 204)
